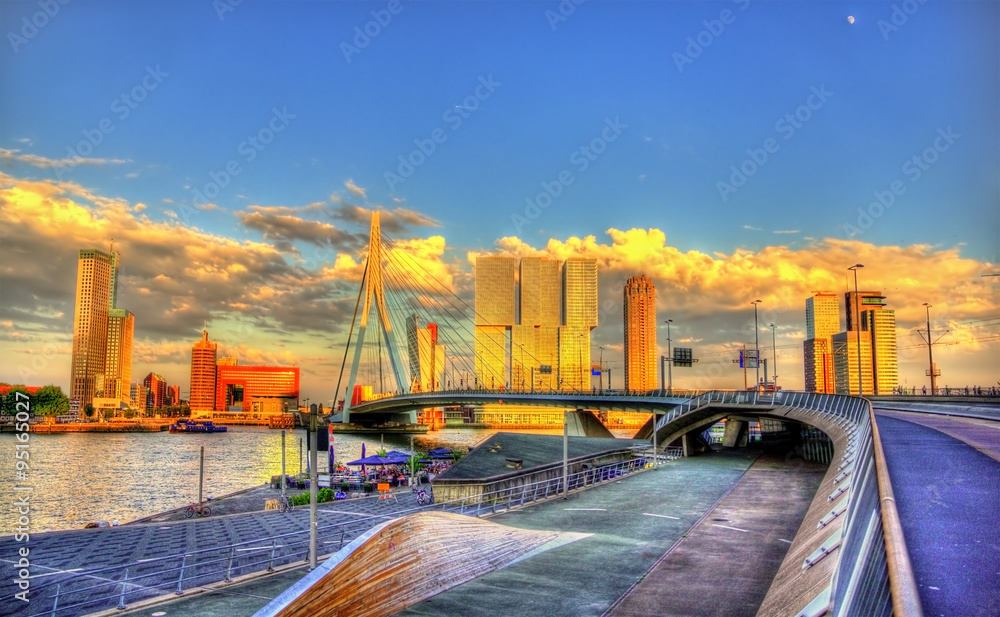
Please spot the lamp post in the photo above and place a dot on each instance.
(756, 345)
(857, 324)
(670, 360)
(930, 353)
(774, 359)
(601, 376)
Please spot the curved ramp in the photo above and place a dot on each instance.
(402, 562)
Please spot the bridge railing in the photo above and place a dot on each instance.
(872, 575)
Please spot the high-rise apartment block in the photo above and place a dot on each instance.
(101, 366)
(640, 333)
(875, 325)
(822, 322)
(173, 395)
(203, 355)
(533, 322)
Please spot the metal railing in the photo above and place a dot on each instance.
(121, 585)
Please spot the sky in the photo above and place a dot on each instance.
(732, 151)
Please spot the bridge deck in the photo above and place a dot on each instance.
(949, 505)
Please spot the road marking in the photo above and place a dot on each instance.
(585, 509)
(676, 518)
(356, 513)
(784, 540)
(733, 528)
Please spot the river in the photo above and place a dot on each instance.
(76, 478)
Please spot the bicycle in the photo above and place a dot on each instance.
(197, 508)
(423, 497)
(284, 503)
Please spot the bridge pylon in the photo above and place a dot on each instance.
(374, 294)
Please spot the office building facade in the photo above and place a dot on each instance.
(156, 391)
(822, 322)
(203, 372)
(256, 389)
(101, 364)
(639, 302)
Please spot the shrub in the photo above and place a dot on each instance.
(324, 494)
(302, 499)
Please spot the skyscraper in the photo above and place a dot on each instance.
(203, 355)
(101, 365)
(876, 328)
(579, 318)
(640, 333)
(426, 356)
(173, 395)
(494, 316)
(822, 322)
(118, 375)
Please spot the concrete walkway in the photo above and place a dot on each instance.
(648, 544)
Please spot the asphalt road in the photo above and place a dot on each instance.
(948, 496)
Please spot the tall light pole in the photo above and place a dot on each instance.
(756, 345)
(857, 324)
(601, 376)
(670, 360)
(930, 354)
(774, 359)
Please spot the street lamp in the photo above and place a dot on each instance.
(670, 360)
(774, 359)
(857, 324)
(756, 344)
(930, 353)
(601, 376)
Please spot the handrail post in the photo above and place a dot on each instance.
(180, 578)
(121, 599)
(270, 561)
(55, 601)
(229, 565)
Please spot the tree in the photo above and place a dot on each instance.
(50, 401)
(88, 410)
(129, 413)
(108, 414)
(10, 400)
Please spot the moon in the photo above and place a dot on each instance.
(850, 19)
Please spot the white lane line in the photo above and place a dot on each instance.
(676, 518)
(361, 514)
(733, 528)
(784, 540)
(585, 509)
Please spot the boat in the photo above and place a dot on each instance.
(196, 426)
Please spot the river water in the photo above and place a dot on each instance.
(76, 478)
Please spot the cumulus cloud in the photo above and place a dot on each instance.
(283, 226)
(399, 220)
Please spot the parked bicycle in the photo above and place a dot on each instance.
(197, 508)
(423, 497)
(284, 503)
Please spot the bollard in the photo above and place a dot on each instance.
(180, 578)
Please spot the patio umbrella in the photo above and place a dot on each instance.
(363, 470)
(395, 457)
(330, 451)
(369, 460)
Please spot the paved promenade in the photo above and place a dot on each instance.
(640, 537)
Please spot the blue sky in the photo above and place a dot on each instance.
(890, 95)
